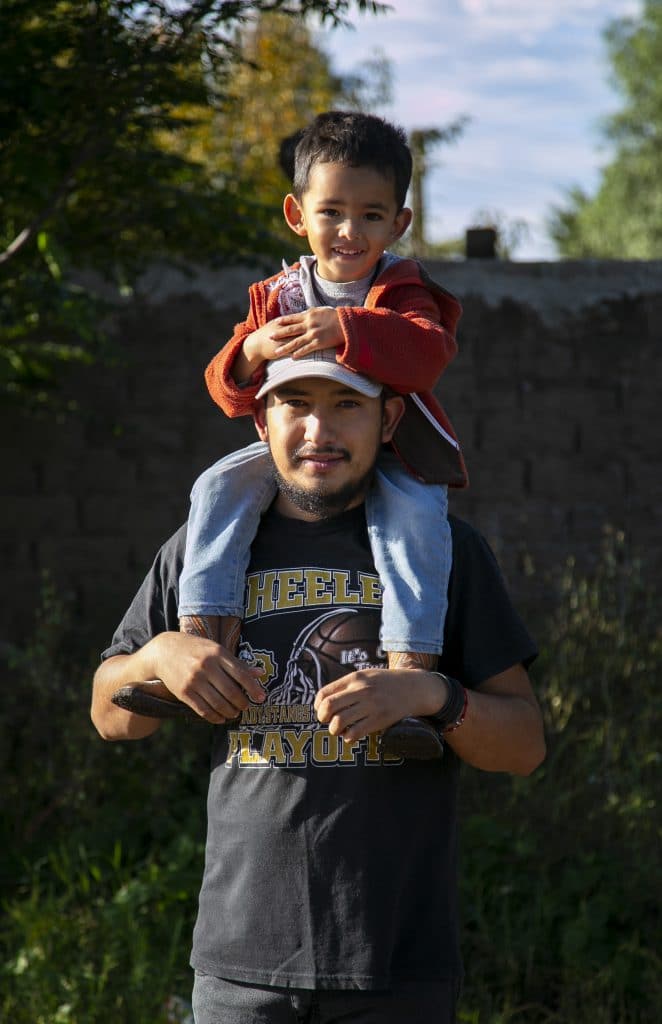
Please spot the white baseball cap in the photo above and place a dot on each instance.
(318, 364)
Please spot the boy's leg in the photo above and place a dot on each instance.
(223, 629)
(411, 545)
(226, 504)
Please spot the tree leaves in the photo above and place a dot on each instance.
(100, 104)
(624, 219)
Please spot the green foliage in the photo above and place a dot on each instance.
(88, 91)
(102, 845)
(560, 913)
(98, 938)
(46, 322)
(44, 721)
(103, 842)
(624, 219)
(269, 97)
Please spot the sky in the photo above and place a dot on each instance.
(534, 80)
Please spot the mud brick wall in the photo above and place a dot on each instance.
(555, 395)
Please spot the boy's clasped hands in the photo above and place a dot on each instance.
(295, 335)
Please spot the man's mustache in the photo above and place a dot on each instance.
(309, 452)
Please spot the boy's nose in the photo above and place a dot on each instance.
(350, 228)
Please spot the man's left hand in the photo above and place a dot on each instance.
(373, 699)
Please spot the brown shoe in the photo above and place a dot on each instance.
(151, 697)
(413, 738)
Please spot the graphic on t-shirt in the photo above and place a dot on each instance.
(279, 591)
(259, 658)
(334, 644)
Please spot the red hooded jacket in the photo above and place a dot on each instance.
(403, 336)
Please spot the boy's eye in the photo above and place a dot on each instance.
(329, 212)
(374, 216)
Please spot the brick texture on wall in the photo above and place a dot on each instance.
(554, 394)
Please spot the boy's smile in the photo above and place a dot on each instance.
(350, 216)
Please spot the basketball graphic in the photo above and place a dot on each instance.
(333, 645)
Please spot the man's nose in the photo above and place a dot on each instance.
(319, 429)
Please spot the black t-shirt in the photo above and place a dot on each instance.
(326, 867)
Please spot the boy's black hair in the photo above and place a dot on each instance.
(286, 152)
(358, 140)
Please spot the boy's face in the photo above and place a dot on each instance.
(349, 215)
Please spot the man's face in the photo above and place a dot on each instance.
(324, 440)
(349, 215)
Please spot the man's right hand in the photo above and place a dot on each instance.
(204, 675)
(197, 671)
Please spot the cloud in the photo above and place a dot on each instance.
(533, 78)
(528, 22)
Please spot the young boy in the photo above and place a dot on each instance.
(384, 318)
(379, 314)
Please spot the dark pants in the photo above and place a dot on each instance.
(217, 1001)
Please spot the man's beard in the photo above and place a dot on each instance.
(318, 501)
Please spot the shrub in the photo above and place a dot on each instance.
(102, 845)
(97, 939)
(561, 921)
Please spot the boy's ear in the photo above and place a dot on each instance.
(401, 223)
(294, 215)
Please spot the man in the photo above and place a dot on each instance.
(329, 889)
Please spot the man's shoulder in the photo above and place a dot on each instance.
(170, 556)
(463, 531)
(484, 634)
(473, 557)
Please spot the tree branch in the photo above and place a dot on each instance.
(29, 232)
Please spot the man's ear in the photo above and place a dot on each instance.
(393, 411)
(293, 214)
(401, 223)
(260, 419)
